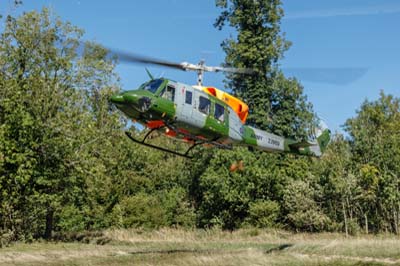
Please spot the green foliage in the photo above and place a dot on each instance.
(65, 163)
(178, 210)
(303, 212)
(375, 143)
(38, 112)
(224, 196)
(66, 166)
(263, 213)
(141, 210)
(72, 219)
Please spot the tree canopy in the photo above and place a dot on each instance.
(66, 166)
(276, 103)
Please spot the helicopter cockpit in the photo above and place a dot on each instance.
(152, 85)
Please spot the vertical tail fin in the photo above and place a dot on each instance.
(324, 139)
(316, 146)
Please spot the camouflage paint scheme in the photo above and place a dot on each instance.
(176, 109)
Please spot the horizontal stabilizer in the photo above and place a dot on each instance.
(302, 144)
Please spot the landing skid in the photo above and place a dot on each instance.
(185, 155)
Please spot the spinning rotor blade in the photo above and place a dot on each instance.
(335, 76)
(135, 58)
(234, 70)
(328, 75)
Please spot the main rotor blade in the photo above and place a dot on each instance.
(329, 75)
(234, 70)
(135, 58)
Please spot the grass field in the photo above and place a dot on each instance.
(212, 247)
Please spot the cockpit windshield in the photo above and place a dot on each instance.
(153, 85)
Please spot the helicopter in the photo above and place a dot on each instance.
(202, 115)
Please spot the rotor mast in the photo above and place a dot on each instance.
(201, 67)
(200, 73)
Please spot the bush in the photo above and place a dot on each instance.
(72, 219)
(309, 220)
(303, 213)
(178, 210)
(6, 237)
(263, 213)
(141, 210)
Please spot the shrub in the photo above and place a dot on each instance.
(141, 210)
(263, 213)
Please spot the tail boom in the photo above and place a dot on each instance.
(273, 143)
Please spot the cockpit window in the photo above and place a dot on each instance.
(153, 85)
(204, 105)
(219, 112)
(168, 93)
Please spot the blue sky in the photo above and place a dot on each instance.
(339, 33)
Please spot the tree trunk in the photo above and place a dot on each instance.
(366, 223)
(345, 219)
(350, 210)
(396, 221)
(49, 223)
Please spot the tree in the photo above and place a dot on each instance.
(339, 184)
(303, 211)
(226, 198)
(375, 143)
(65, 163)
(43, 120)
(276, 103)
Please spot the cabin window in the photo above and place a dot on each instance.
(153, 85)
(219, 112)
(168, 93)
(188, 97)
(204, 105)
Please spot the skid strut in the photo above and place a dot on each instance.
(142, 142)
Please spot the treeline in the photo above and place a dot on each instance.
(66, 165)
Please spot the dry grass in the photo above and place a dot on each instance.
(211, 247)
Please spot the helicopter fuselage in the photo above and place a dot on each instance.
(202, 115)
